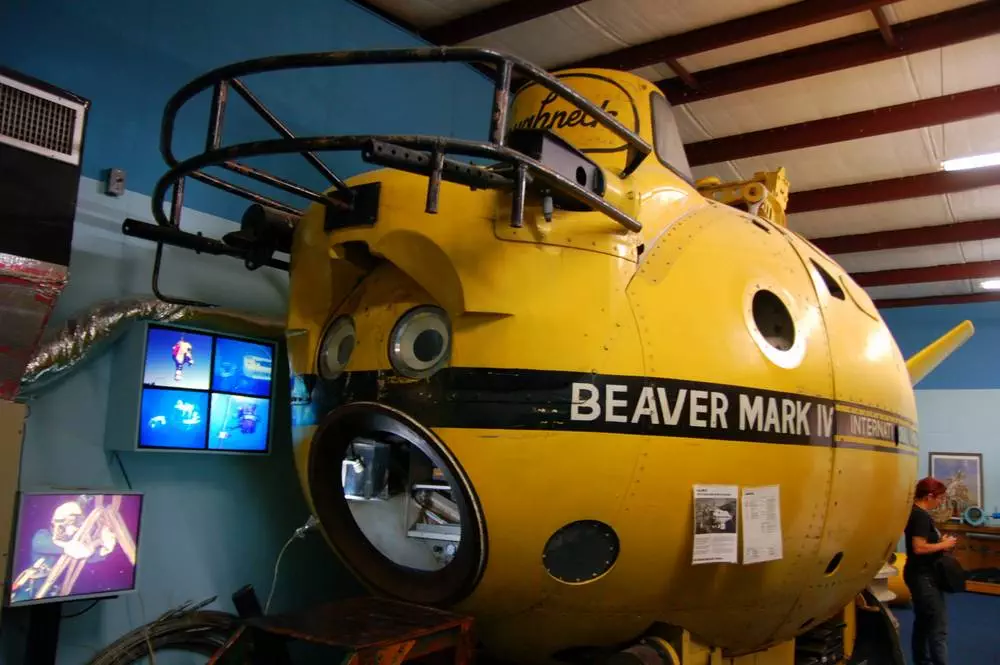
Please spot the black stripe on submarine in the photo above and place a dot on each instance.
(511, 399)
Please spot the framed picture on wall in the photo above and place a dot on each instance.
(963, 474)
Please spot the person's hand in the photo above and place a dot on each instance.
(949, 543)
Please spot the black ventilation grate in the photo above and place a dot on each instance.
(38, 121)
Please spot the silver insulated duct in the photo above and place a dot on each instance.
(89, 335)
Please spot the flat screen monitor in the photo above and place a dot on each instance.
(73, 546)
(205, 391)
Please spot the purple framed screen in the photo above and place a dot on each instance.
(73, 546)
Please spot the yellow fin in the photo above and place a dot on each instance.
(924, 361)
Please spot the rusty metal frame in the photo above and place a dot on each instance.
(514, 171)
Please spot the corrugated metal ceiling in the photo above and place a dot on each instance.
(598, 27)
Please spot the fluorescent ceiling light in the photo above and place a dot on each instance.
(977, 162)
(991, 284)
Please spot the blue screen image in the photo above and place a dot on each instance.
(242, 367)
(177, 359)
(173, 419)
(239, 423)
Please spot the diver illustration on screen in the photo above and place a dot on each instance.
(173, 418)
(183, 354)
(238, 423)
(177, 359)
(74, 545)
(205, 391)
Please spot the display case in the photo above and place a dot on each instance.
(978, 550)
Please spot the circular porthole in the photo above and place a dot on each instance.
(396, 504)
(420, 343)
(773, 320)
(581, 551)
(773, 327)
(336, 348)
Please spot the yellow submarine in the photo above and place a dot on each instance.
(515, 383)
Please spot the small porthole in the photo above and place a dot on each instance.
(581, 175)
(420, 343)
(834, 564)
(581, 551)
(831, 284)
(773, 320)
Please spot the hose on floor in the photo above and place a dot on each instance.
(186, 628)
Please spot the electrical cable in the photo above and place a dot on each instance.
(81, 612)
(128, 483)
(186, 628)
(301, 532)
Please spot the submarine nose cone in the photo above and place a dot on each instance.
(396, 505)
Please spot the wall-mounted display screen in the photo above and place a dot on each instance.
(74, 546)
(205, 391)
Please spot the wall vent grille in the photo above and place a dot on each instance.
(38, 121)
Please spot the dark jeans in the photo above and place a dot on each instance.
(930, 624)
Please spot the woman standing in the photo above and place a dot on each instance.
(924, 546)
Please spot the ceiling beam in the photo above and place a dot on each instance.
(945, 273)
(961, 299)
(983, 229)
(885, 27)
(386, 16)
(893, 189)
(682, 73)
(886, 120)
(958, 25)
(492, 19)
(727, 33)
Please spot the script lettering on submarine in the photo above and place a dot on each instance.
(542, 119)
(657, 407)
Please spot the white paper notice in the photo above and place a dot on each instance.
(761, 524)
(716, 513)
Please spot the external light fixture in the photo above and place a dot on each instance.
(991, 284)
(977, 162)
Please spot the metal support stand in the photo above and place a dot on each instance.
(43, 634)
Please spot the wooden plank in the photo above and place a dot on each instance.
(893, 189)
(983, 229)
(876, 122)
(727, 33)
(953, 27)
(943, 273)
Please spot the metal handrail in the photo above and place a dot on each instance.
(192, 166)
(507, 65)
(515, 173)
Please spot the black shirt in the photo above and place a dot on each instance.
(921, 525)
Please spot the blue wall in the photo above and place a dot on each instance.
(212, 523)
(129, 58)
(959, 402)
(974, 366)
